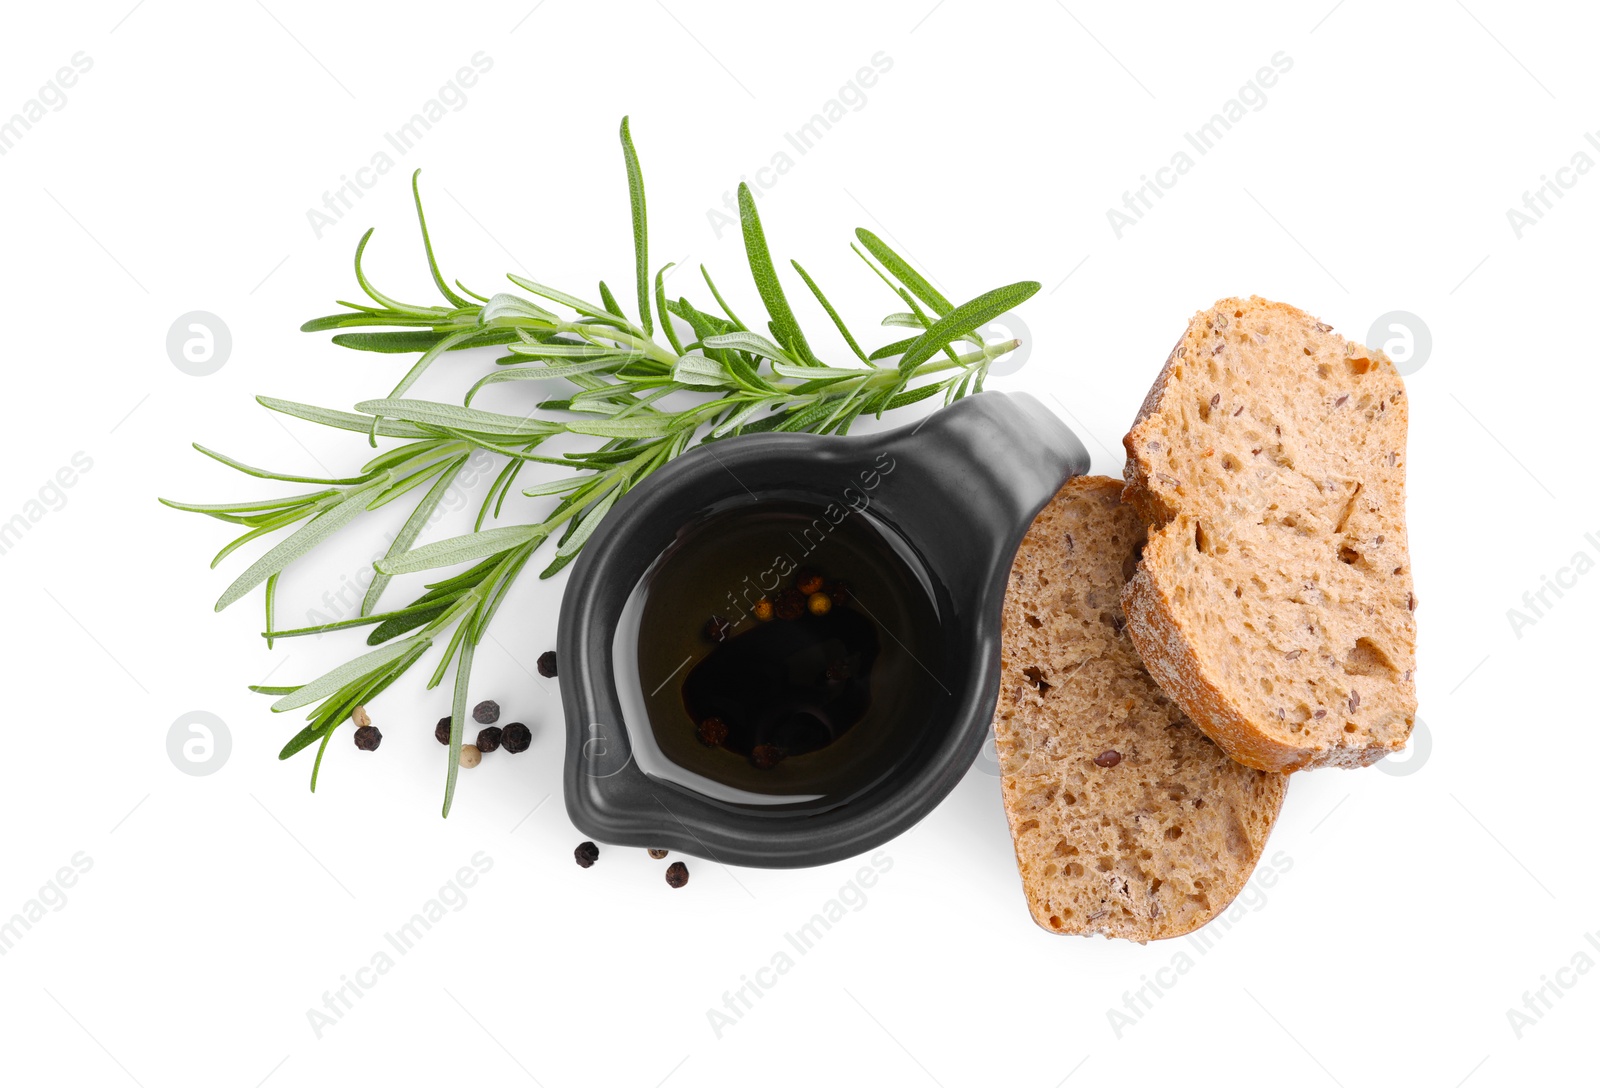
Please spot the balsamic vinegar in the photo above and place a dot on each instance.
(788, 653)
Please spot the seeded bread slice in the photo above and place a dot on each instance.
(1127, 820)
(1274, 600)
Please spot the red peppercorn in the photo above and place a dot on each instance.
(516, 737)
(368, 738)
(677, 874)
(766, 756)
(712, 732)
(808, 582)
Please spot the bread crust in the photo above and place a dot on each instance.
(1171, 652)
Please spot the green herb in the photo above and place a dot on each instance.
(739, 382)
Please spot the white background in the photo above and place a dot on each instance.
(1416, 909)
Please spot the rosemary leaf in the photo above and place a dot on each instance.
(967, 317)
(299, 543)
(766, 277)
(903, 272)
(572, 302)
(651, 426)
(458, 416)
(458, 721)
(401, 343)
(381, 299)
(345, 421)
(459, 549)
(333, 680)
(832, 313)
(700, 371)
(661, 308)
(754, 343)
(641, 242)
(587, 525)
(427, 244)
(413, 526)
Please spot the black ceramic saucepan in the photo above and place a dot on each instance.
(953, 493)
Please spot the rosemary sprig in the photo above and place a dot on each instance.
(743, 381)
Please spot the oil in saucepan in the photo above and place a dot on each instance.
(802, 653)
(787, 685)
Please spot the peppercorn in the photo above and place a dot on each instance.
(838, 671)
(547, 663)
(808, 582)
(586, 854)
(791, 604)
(677, 874)
(470, 756)
(717, 629)
(819, 604)
(441, 732)
(766, 756)
(657, 854)
(763, 610)
(486, 712)
(489, 739)
(360, 716)
(838, 592)
(368, 738)
(712, 732)
(516, 737)
(1109, 758)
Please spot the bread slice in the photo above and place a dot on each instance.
(1127, 821)
(1274, 600)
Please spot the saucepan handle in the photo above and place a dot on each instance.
(967, 483)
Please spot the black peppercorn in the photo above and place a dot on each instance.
(677, 874)
(368, 738)
(657, 854)
(791, 604)
(441, 732)
(712, 732)
(516, 737)
(486, 712)
(489, 739)
(547, 663)
(838, 592)
(766, 756)
(586, 854)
